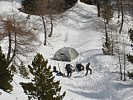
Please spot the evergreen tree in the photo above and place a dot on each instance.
(29, 5)
(43, 86)
(13, 69)
(70, 3)
(5, 74)
(130, 75)
(23, 71)
(130, 32)
(107, 49)
(106, 10)
(129, 56)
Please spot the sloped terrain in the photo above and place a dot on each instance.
(79, 31)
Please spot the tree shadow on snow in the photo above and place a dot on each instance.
(79, 76)
(120, 86)
(92, 95)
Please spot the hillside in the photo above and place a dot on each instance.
(82, 32)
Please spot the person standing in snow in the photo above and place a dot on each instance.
(88, 68)
(68, 70)
(54, 69)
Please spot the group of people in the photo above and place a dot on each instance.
(79, 67)
(69, 70)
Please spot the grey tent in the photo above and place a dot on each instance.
(65, 54)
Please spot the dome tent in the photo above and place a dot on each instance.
(65, 54)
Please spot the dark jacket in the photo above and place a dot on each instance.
(68, 68)
(88, 66)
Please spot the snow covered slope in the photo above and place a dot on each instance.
(84, 36)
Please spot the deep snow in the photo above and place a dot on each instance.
(103, 84)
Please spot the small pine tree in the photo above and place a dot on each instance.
(130, 58)
(130, 75)
(107, 47)
(5, 74)
(23, 71)
(43, 86)
(13, 69)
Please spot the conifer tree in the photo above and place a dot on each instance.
(129, 56)
(43, 86)
(5, 74)
(13, 69)
(29, 5)
(23, 71)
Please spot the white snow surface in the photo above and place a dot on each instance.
(103, 83)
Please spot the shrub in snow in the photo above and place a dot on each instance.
(130, 32)
(107, 48)
(130, 58)
(43, 86)
(23, 71)
(13, 69)
(130, 75)
(5, 74)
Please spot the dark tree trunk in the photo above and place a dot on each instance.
(98, 9)
(51, 23)
(45, 32)
(124, 61)
(106, 33)
(122, 17)
(15, 48)
(120, 65)
(118, 7)
(9, 48)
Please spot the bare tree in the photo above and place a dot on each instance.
(47, 10)
(118, 8)
(21, 36)
(119, 56)
(124, 60)
(98, 7)
(106, 14)
(122, 16)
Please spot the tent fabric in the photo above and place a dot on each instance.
(65, 54)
